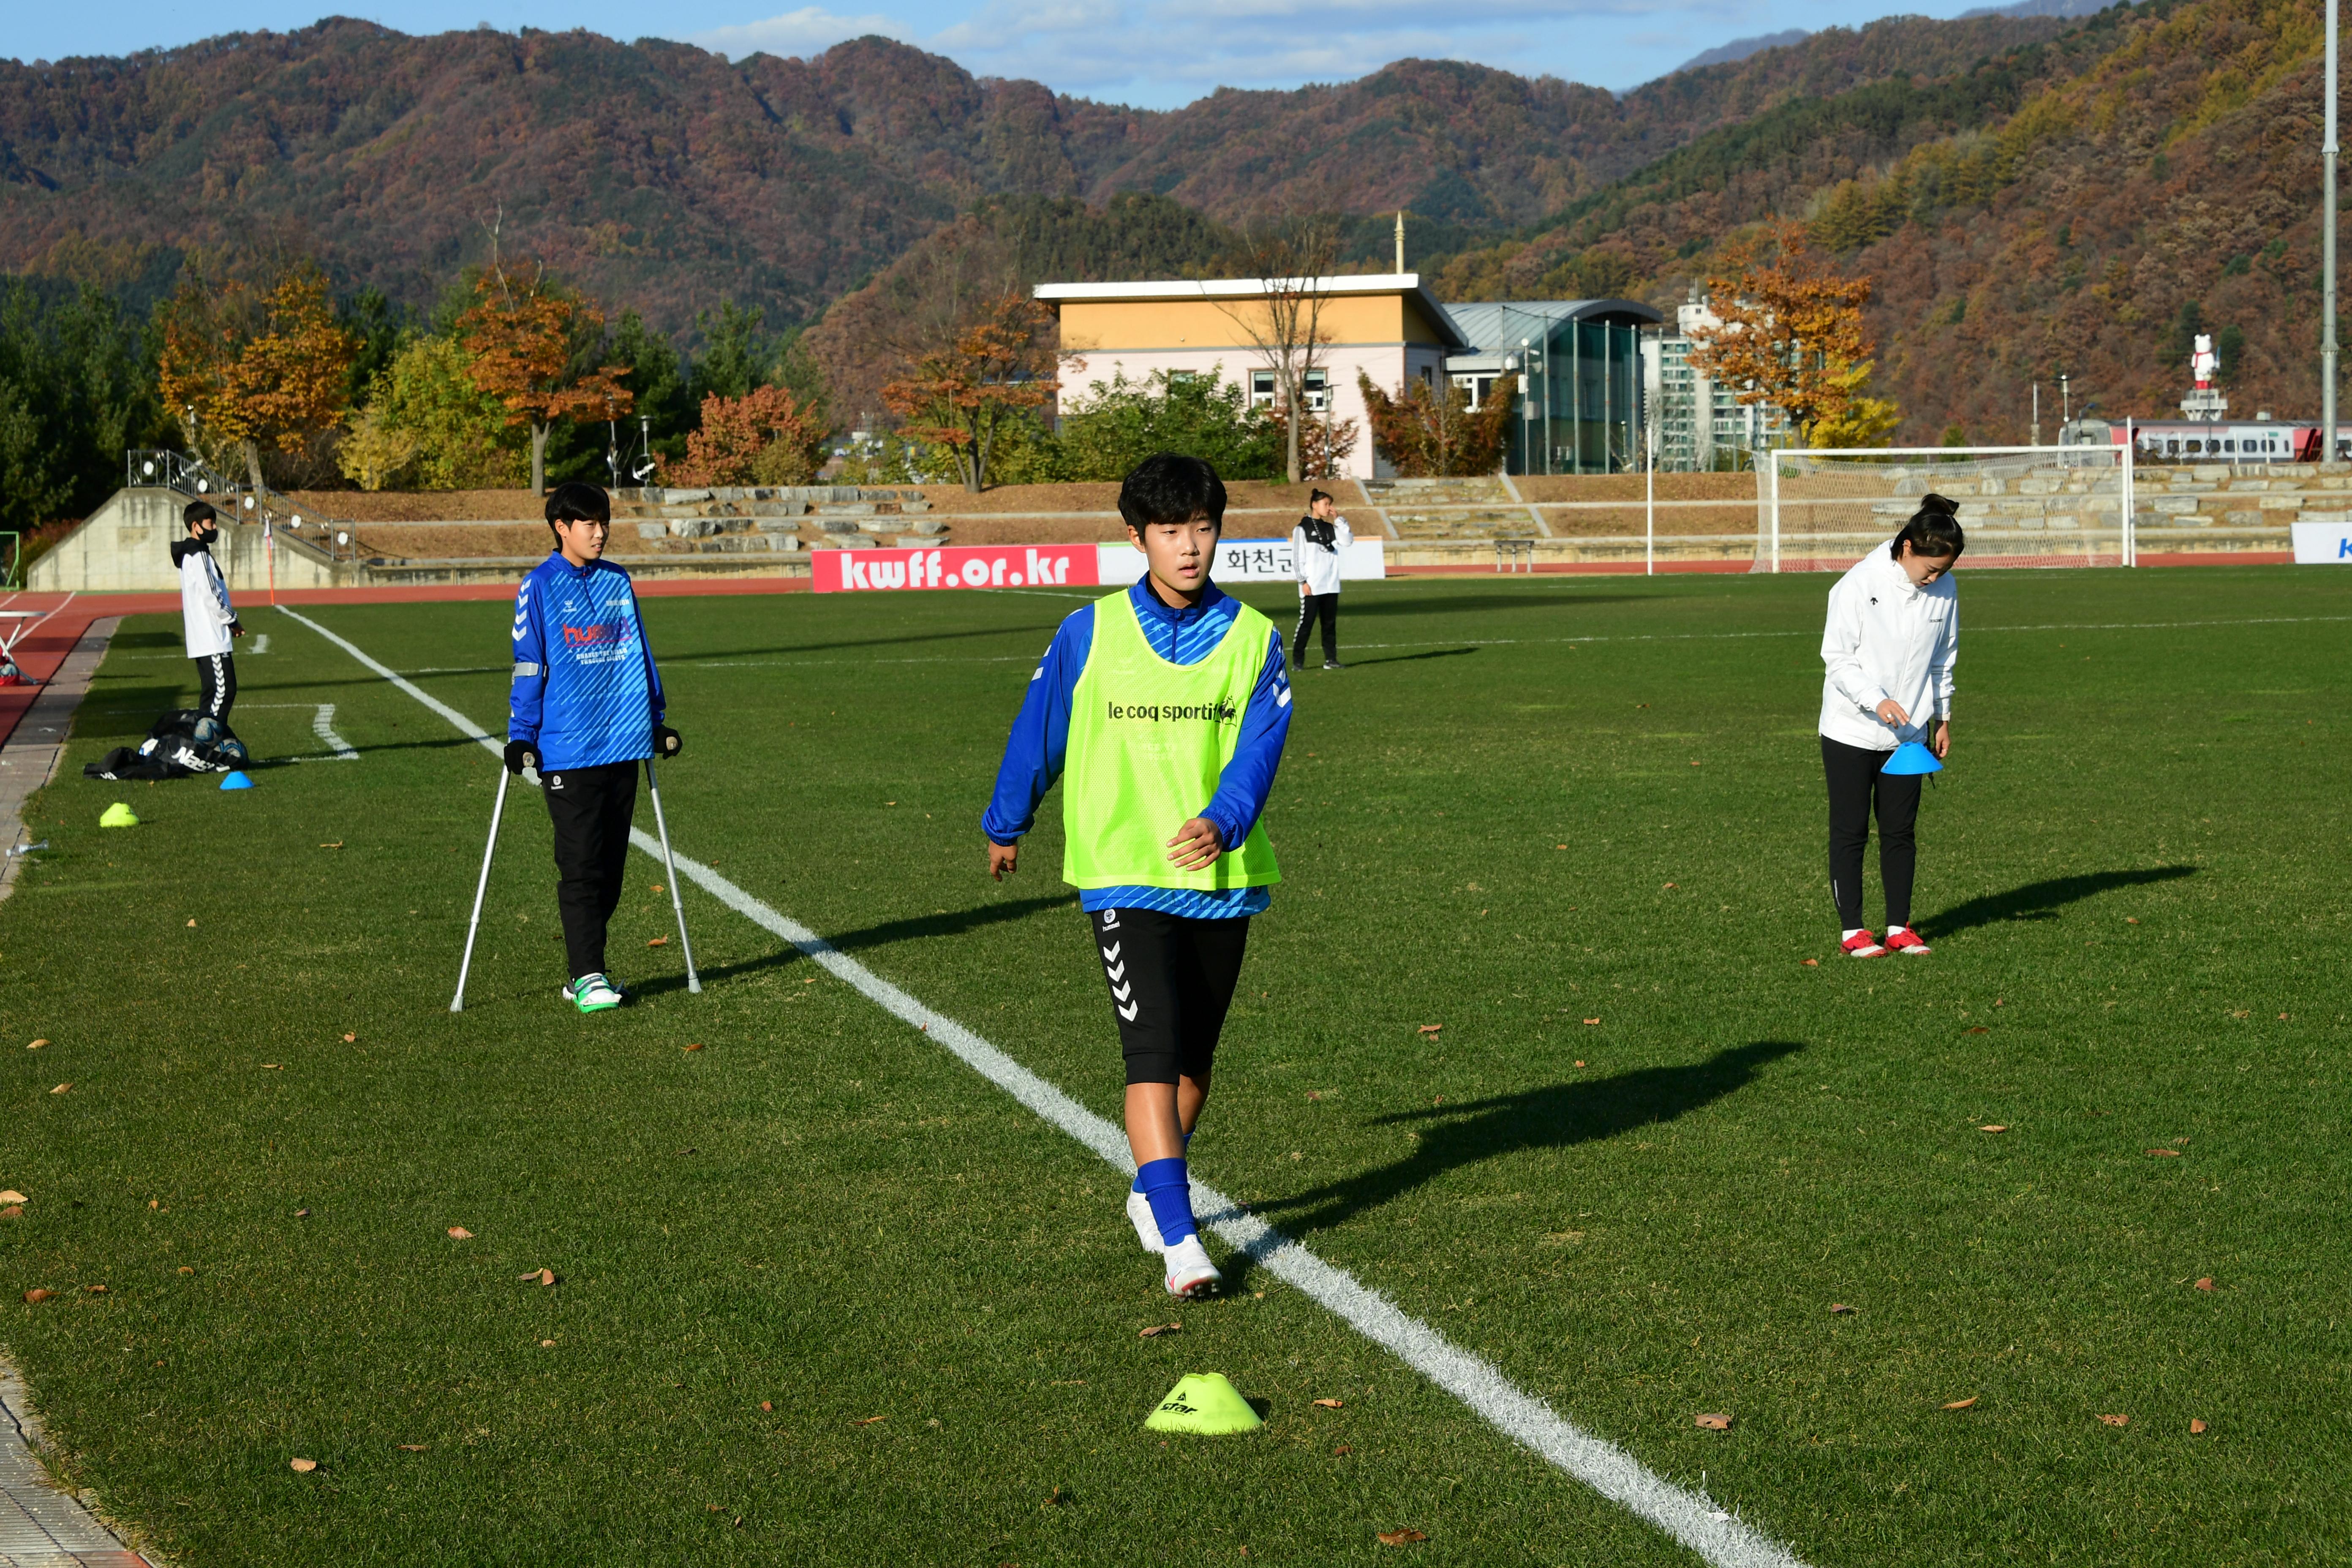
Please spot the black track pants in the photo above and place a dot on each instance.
(591, 809)
(1311, 606)
(217, 674)
(1170, 980)
(1855, 784)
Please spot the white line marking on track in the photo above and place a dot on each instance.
(1691, 1517)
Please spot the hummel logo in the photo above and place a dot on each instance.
(1110, 919)
(1122, 992)
(1110, 953)
(1117, 971)
(1131, 1010)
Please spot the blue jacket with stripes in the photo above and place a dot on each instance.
(585, 688)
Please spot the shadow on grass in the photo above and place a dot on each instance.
(1412, 658)
(2042, 901)
(1452, 603)
(1558, 1116)
(882, 935)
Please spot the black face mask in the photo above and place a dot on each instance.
(206, 536)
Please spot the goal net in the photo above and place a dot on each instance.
(2022, 506)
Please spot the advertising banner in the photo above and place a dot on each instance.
(2322, 543)
(1250, 561)
(960, 566)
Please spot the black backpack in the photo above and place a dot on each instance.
(180, 745)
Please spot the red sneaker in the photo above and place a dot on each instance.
(1862, 944)
(1906, 941)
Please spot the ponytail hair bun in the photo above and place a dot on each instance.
(1934, 531)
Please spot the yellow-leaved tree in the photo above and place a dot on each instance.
(1791, 336)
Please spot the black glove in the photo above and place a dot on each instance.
(667, 742)
(521, 754)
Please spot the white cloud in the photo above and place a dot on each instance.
(811, 30)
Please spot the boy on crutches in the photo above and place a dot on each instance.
(586, 708)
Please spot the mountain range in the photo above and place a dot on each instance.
(2032, 192)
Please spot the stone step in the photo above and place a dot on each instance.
(1500, 522)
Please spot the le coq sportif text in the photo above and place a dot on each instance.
(1176, 712)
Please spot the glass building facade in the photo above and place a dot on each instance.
(1580, 363)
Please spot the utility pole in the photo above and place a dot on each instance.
(2327, 261)
(1400, 230)
(2037, 414)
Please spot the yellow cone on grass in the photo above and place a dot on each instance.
(1204, 1404)
(119, 815)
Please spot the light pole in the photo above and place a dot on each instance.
(2065, 406)
(2327, 261)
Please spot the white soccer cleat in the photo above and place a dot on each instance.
(1147, 1228)
(1190, 1272)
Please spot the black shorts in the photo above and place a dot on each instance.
(1170, 980)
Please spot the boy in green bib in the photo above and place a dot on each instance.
(1166, 706)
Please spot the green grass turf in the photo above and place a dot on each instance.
(823, 1210)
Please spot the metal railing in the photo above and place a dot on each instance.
(335, 538)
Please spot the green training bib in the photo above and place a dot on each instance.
(1149, 740)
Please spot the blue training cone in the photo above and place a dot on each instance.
(1912, 757)
(236, 779)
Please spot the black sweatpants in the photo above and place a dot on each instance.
(591, 809)
(1170, 980)
(216, 675)
(1310, 606)
(1856, 784)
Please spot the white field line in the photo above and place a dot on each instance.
(1691, 1517)
(323, 726)
(258, 647)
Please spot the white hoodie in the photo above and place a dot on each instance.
(1887, 637)
(1318, 567)
(205, 612)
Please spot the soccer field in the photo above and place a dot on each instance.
(1533, 1044)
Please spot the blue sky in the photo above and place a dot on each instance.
(1151, 53)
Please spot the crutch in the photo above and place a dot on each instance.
(457, 1003)
(693, 981)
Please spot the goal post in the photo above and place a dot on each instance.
(1822, 510)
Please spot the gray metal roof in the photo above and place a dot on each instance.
(1498, 325)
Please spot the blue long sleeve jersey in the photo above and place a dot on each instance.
(1040, 743)
(585, 688)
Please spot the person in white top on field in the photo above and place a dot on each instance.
(1318, 542)
(206, 616)
(1893, 635)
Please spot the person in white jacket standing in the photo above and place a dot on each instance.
(207, 617)
(1893, 635)
(1317, 544)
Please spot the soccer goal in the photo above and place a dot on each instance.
(1822, 510)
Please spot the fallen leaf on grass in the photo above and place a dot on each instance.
(1840, 1308)
(1431, 1028)
(1559, 846)
(547, 1344)
(185, 1269)
(300, 1466)
(2206, 1283)
(2239, 1014)
(61, 1088)
(301, 1214)
(273, 1067)
(1580, 1064)
(768, 1404)
(1976, 1029)
(460, 1233)
(544, 1276)
(37, 1044)
(1961, 1403)
(2196, 1427)
(2116, 1420)
(13, 1211)
(1053, 1498)
(338, 844)
(1812, 963)
(1401, 1537)
(1592, 1020)
(11, 1196)
(658, 886)
(36, 1296)
(2282, 1017)
(658, 941)
(407, 1447)
(192, 924)
(1670, 884)
(1329, 1404)
(2131, 921)
(1994, 1127)
(694, 1047)
(1714, 1423)
(1342, 1448)
(2168, 1154)
(1155, 1330)
(867, 1421)
(95, 1289)
(351, 1039)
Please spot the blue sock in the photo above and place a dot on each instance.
(1138, 1174)
(1167, 1188)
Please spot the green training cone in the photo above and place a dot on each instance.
(1204, 1404)
(117, 816)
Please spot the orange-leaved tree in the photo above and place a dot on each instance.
(1791, 333)
(247, 369)
(983, 372)
(764, 437)
(1428, 434)
(528, 338)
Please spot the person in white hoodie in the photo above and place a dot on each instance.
(1317, 544)
(1893, 635)
(207, 617)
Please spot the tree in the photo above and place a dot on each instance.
(1113, 427)
(999, 361)
(1864, 421)
(1426, 433)
(429, 424)
(1291, 260)
(522, 331)
(764, 437)
(661, 409)
(250, 371)
(76, 390)
(1791, 333)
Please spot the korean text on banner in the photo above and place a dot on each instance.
(972, 566)
(1251, 561)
